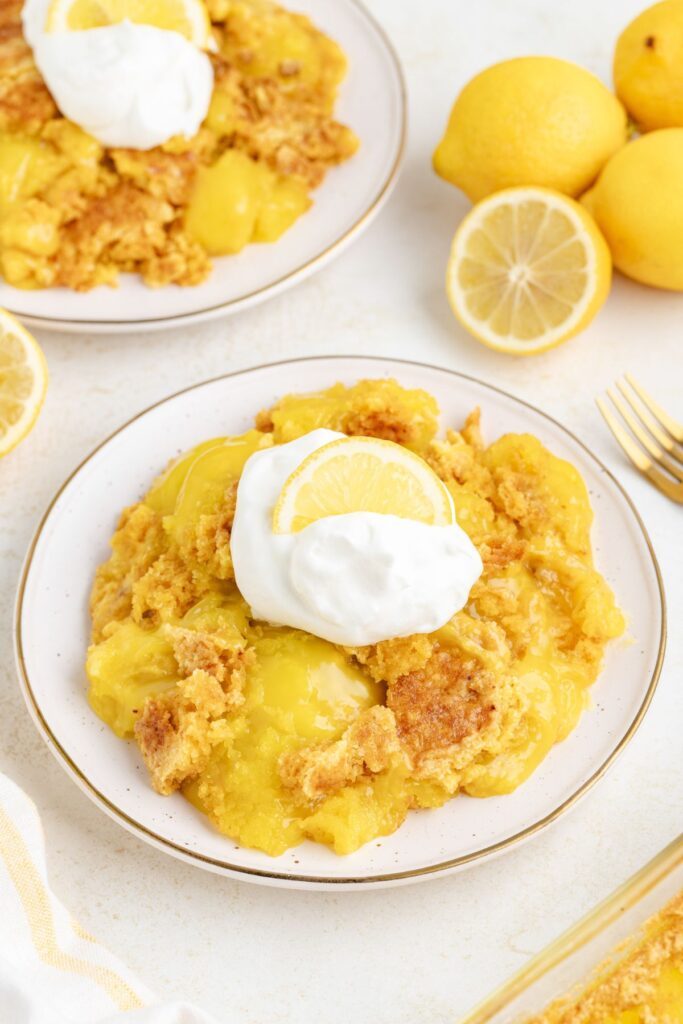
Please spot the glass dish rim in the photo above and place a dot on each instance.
(622, 899)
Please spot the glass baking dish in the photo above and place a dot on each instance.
(566, 965)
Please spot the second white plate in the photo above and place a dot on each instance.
(53, 629)
(372, 102)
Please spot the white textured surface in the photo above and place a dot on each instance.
(417, 955)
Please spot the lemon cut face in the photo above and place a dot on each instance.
(188, 17)
(528, 269)
(23, 382)
(361, 474)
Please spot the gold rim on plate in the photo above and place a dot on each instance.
(225, 866)
(300, 272)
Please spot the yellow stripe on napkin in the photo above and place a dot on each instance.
(38, 909)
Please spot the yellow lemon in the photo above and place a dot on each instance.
(528, 269)
(530, 121)
(638, 203)
(648, 67)
(361, 474)
(188, 17)
(23, 382)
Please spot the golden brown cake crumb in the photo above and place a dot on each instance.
(437, 707)
(212, 654)
(366, 747)
(390, 659)
(165, 591)
(25, 102)
(208, 543)
(175, 732)
(137, 543)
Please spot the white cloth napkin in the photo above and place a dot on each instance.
(51, 970)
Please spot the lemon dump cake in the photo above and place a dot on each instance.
(280, 733)
(75, 212)
(642, 984)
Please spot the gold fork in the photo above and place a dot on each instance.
(659, 434)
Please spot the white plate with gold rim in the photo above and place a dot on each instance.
(372, 102)
(52, 630)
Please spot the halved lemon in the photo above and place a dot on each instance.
(361, 474)
(528, 269)
(23, 382)
(188, 17)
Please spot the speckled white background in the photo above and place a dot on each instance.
(422, 954)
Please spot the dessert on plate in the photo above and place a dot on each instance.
(340, 616)
(148, 137)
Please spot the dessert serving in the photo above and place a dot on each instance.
(338, 616)
(148, 138)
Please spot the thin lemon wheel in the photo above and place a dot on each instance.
(361, 474)
(528, 269)
(23, 382)
(188, 17)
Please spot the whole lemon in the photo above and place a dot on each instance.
(648, 67)
(638, 203)
(530, 121)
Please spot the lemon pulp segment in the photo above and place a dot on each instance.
(361, 474)
(188, 17)
(528, 269)
(23, 382)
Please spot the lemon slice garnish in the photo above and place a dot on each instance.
(188, 17)
(528, 269)
(23, 382)
(361, 474)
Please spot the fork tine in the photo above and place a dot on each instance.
(650, 422)
(670, 424)
(638, 457)
(675, 468)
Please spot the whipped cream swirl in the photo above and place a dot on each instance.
(127, 85)
(352, 579)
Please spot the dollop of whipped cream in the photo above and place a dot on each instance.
(352, 579)
(125, 84)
